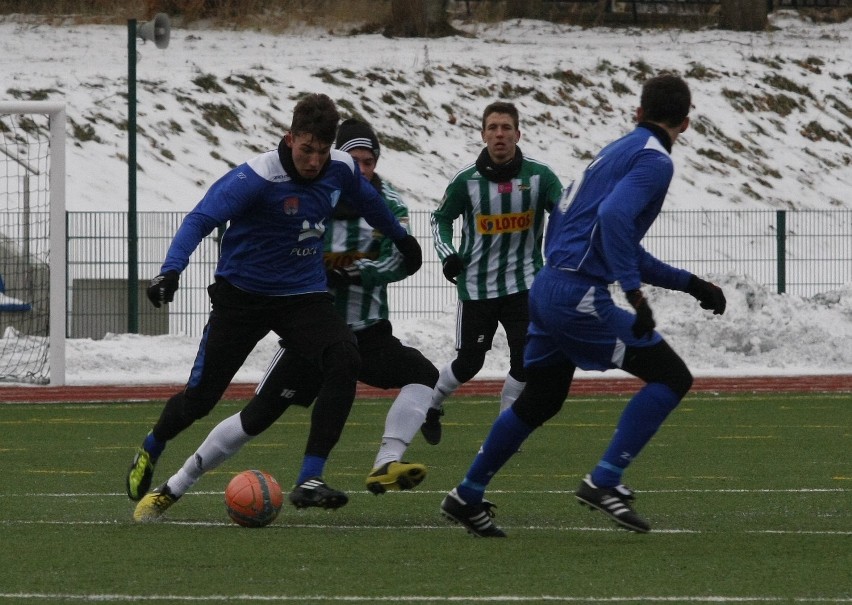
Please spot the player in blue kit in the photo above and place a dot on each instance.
(360, 263)
(592, 241)
(271, 277)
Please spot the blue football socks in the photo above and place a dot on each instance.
(152, 446)
(645, 413)
(507, 434)
(312, 466)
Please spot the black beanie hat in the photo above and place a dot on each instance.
(354, 134)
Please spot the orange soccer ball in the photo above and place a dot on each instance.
(253, 498)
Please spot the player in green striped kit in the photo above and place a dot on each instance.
(502, 198)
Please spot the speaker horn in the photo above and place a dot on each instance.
(156, 30)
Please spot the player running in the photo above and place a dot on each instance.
(271, 277)
(593, 241)
(360, 263)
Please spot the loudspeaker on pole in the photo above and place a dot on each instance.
(156, 30)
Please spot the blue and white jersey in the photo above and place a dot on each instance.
(596, 230)
(274, 241)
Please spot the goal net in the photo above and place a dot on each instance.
(32, 243)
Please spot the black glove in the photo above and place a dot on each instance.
(643, 326)
(162, 288)
(411, 253)
(453, 266)
(343, 277)
(709, 295)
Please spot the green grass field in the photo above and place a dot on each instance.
(750, 498)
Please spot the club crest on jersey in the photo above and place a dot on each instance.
(496, 224)
(291, 205)
(312, 230)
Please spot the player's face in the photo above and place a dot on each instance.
(366, 161)
(500, 137)
(309, 153)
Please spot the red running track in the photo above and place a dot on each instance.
(487, 388)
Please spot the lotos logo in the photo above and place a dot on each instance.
(495, 224)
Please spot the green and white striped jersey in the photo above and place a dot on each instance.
(353, 241)
(502, 228)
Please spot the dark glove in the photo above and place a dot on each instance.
(643, 326)
(411, 253)
(709, 295)
(162, 288)
(453, 266)
(343, 277)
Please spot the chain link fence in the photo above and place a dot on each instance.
(801, 253)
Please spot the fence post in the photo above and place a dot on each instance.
(132, 227)
(781, 249)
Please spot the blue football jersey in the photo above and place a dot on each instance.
(596, 229)
(273, 244)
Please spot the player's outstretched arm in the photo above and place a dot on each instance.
(708, 294)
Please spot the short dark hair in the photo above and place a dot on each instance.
(666, 99)
(315, 114)
(501, 107)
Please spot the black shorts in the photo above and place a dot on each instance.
(306, 324)
(386, 363)
(476, 321)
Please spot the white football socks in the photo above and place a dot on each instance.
(511, 391)
(446, 386)
(404, 419)
(224, 441)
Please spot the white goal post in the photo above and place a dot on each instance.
(32, 242)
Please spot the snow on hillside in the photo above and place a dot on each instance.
(772, 129)
(772, 124)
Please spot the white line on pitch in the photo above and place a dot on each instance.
(421, 598)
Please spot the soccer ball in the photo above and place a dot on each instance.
(253, 498)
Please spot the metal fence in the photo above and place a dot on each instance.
(636, 11)
(612, 5)
(802, 253)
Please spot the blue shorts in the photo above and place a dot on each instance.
(575, 319)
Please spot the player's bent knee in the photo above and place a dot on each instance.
(429, 376)
(468, 364)
(543, 395)
(198, 407)
(410, 366)
(659, 364)
(680, 382)
(423, 372)
(259, 415)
